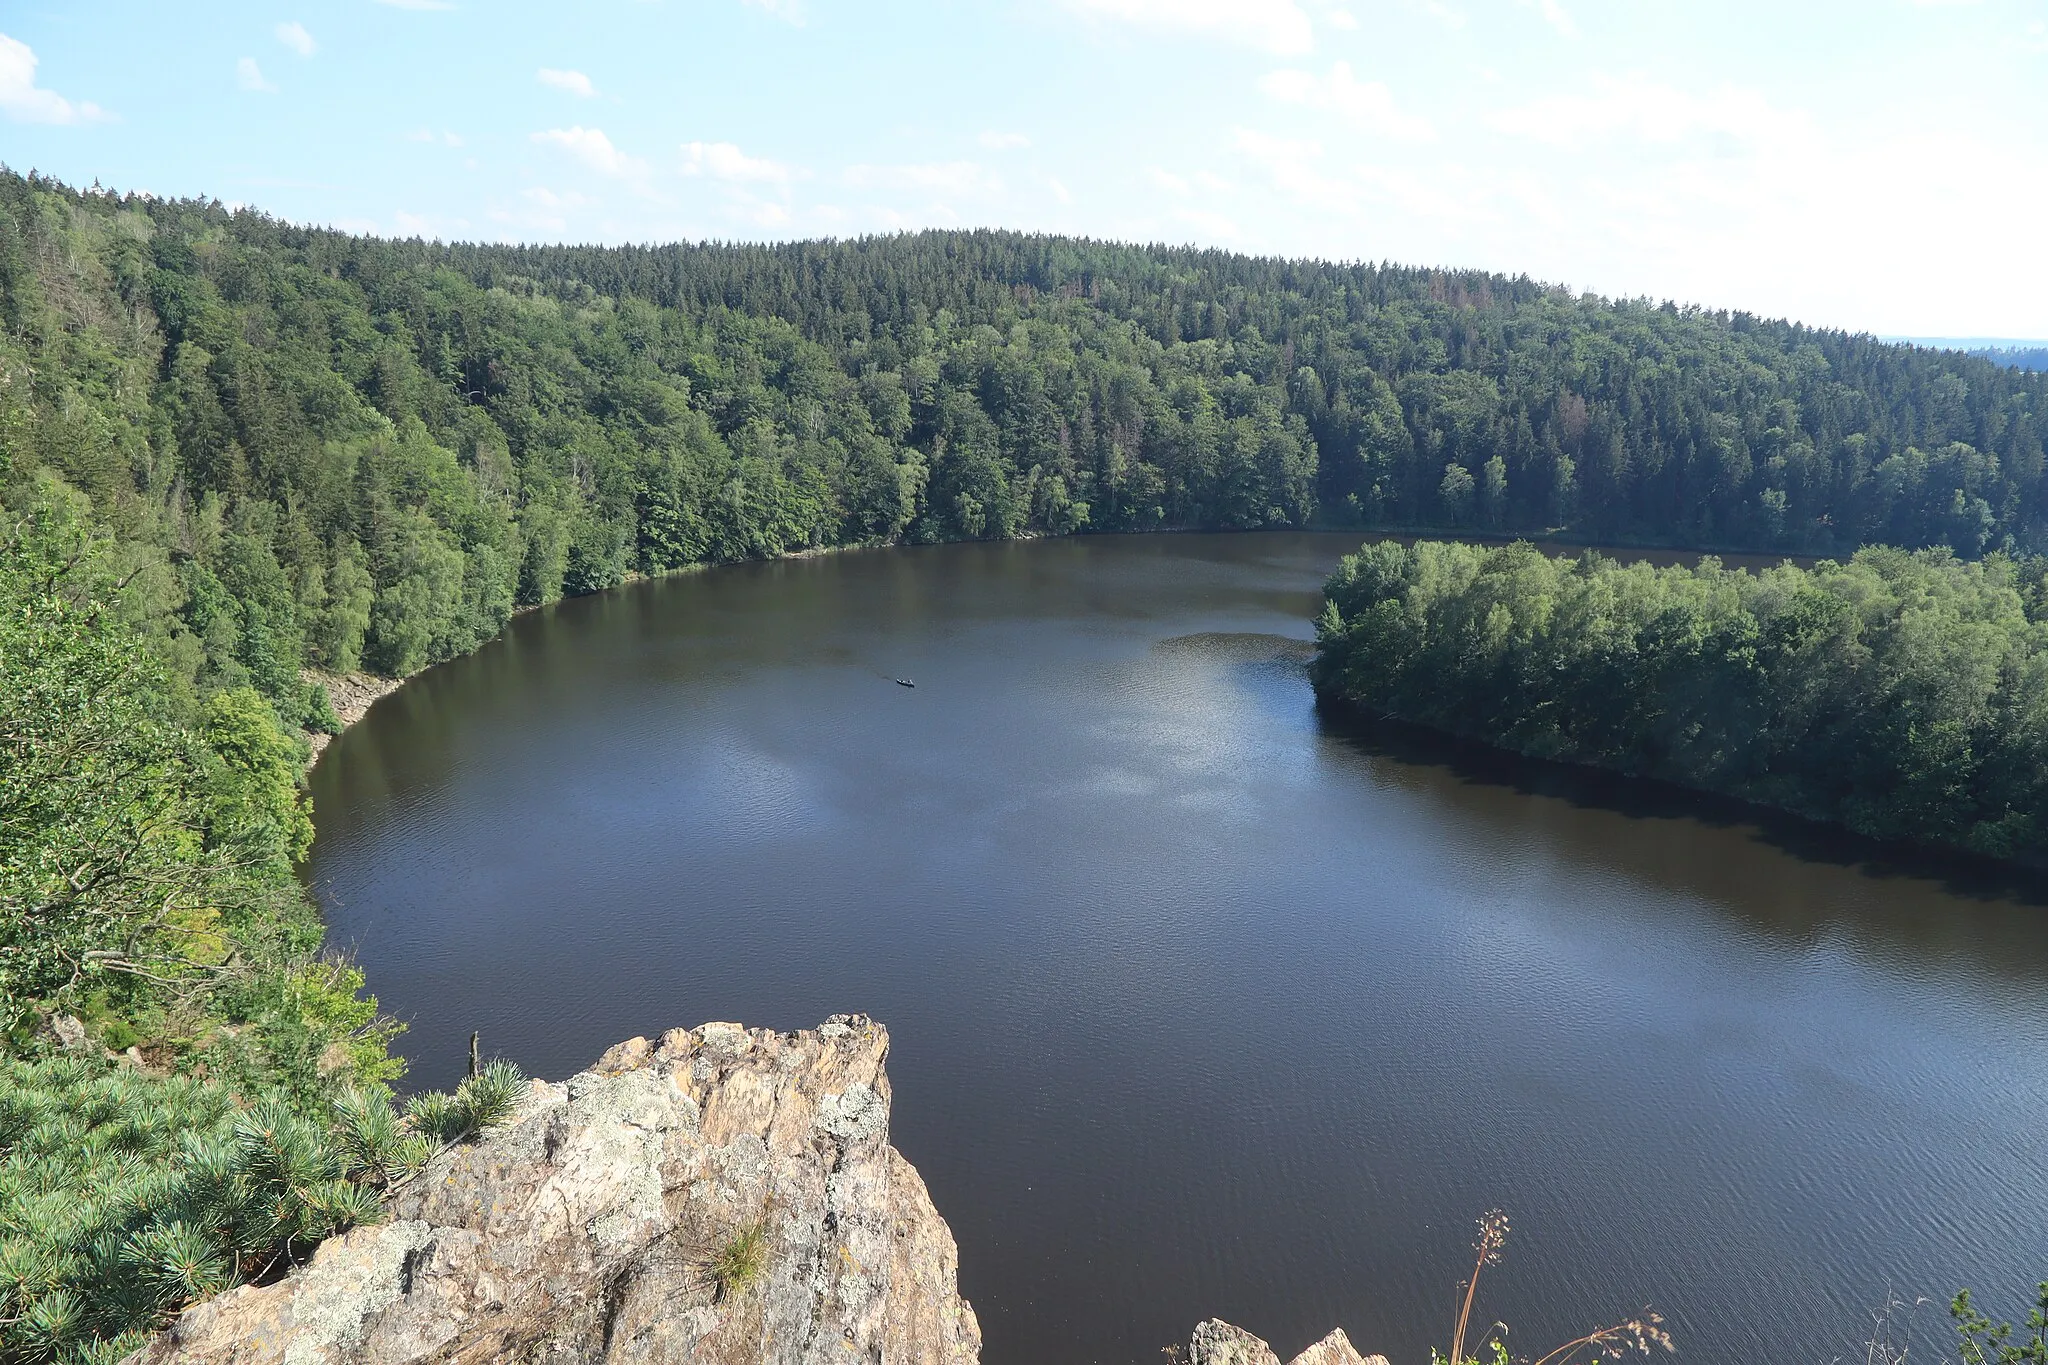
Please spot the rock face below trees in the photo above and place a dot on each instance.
(351, 695)
(720, 1196)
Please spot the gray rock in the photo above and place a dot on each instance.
(1336, 1349)
(68, 1030)
(587, 1228)
(1218, 1343)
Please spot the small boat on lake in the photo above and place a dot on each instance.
(905, 682)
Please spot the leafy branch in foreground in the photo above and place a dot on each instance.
(1984, 1342)
(147, 841)
(485, 1099)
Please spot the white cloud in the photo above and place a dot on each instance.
(444, 137)
(549, 211)
(249, 76)
(414, 225)
(1059, 191)
(1277, 26)
(591, 147)
(1645, 111)
(547, 198)
(574, 82)
(1341, 18)
(1554, 15)
(23, 101)
(996, 141)
(295, 37)
(939, 177)
(1211, 226)
(724, 161)
(1369, 104)
(1450, 16)
(750, 190)
(1727, 197)
(418, 4)
(789, 11)
(1168, 181)
(1295, 166)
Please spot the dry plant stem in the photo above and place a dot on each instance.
(1464, 1315)
(1493, 1235)
(1637, 1334)
(1565, 1352)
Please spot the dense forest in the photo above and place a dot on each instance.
(314, 448)
(1902, 694)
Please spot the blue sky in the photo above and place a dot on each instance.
(1880, 165)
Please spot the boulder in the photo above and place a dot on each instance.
(1217, 1342)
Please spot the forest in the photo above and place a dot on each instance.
(238, 455)
(317, 449)
(1903, 694)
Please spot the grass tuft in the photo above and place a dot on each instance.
(739, 1264)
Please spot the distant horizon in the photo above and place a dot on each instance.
(1962, 343)
(1679, 152)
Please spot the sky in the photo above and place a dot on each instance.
(1877, 165)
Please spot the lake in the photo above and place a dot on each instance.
(1205, 1004)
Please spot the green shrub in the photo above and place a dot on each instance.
(125, 1196)
(482, 1100)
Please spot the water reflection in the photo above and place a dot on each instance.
(1690, 844)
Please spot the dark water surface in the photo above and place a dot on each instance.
(1201, 1005)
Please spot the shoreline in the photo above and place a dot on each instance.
(353, 694)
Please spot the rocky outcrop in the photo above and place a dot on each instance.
(720, 1196)
(351, 695)
(1218, 1343)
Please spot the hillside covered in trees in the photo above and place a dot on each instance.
(314, 448)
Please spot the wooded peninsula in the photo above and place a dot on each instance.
(1901, 694)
